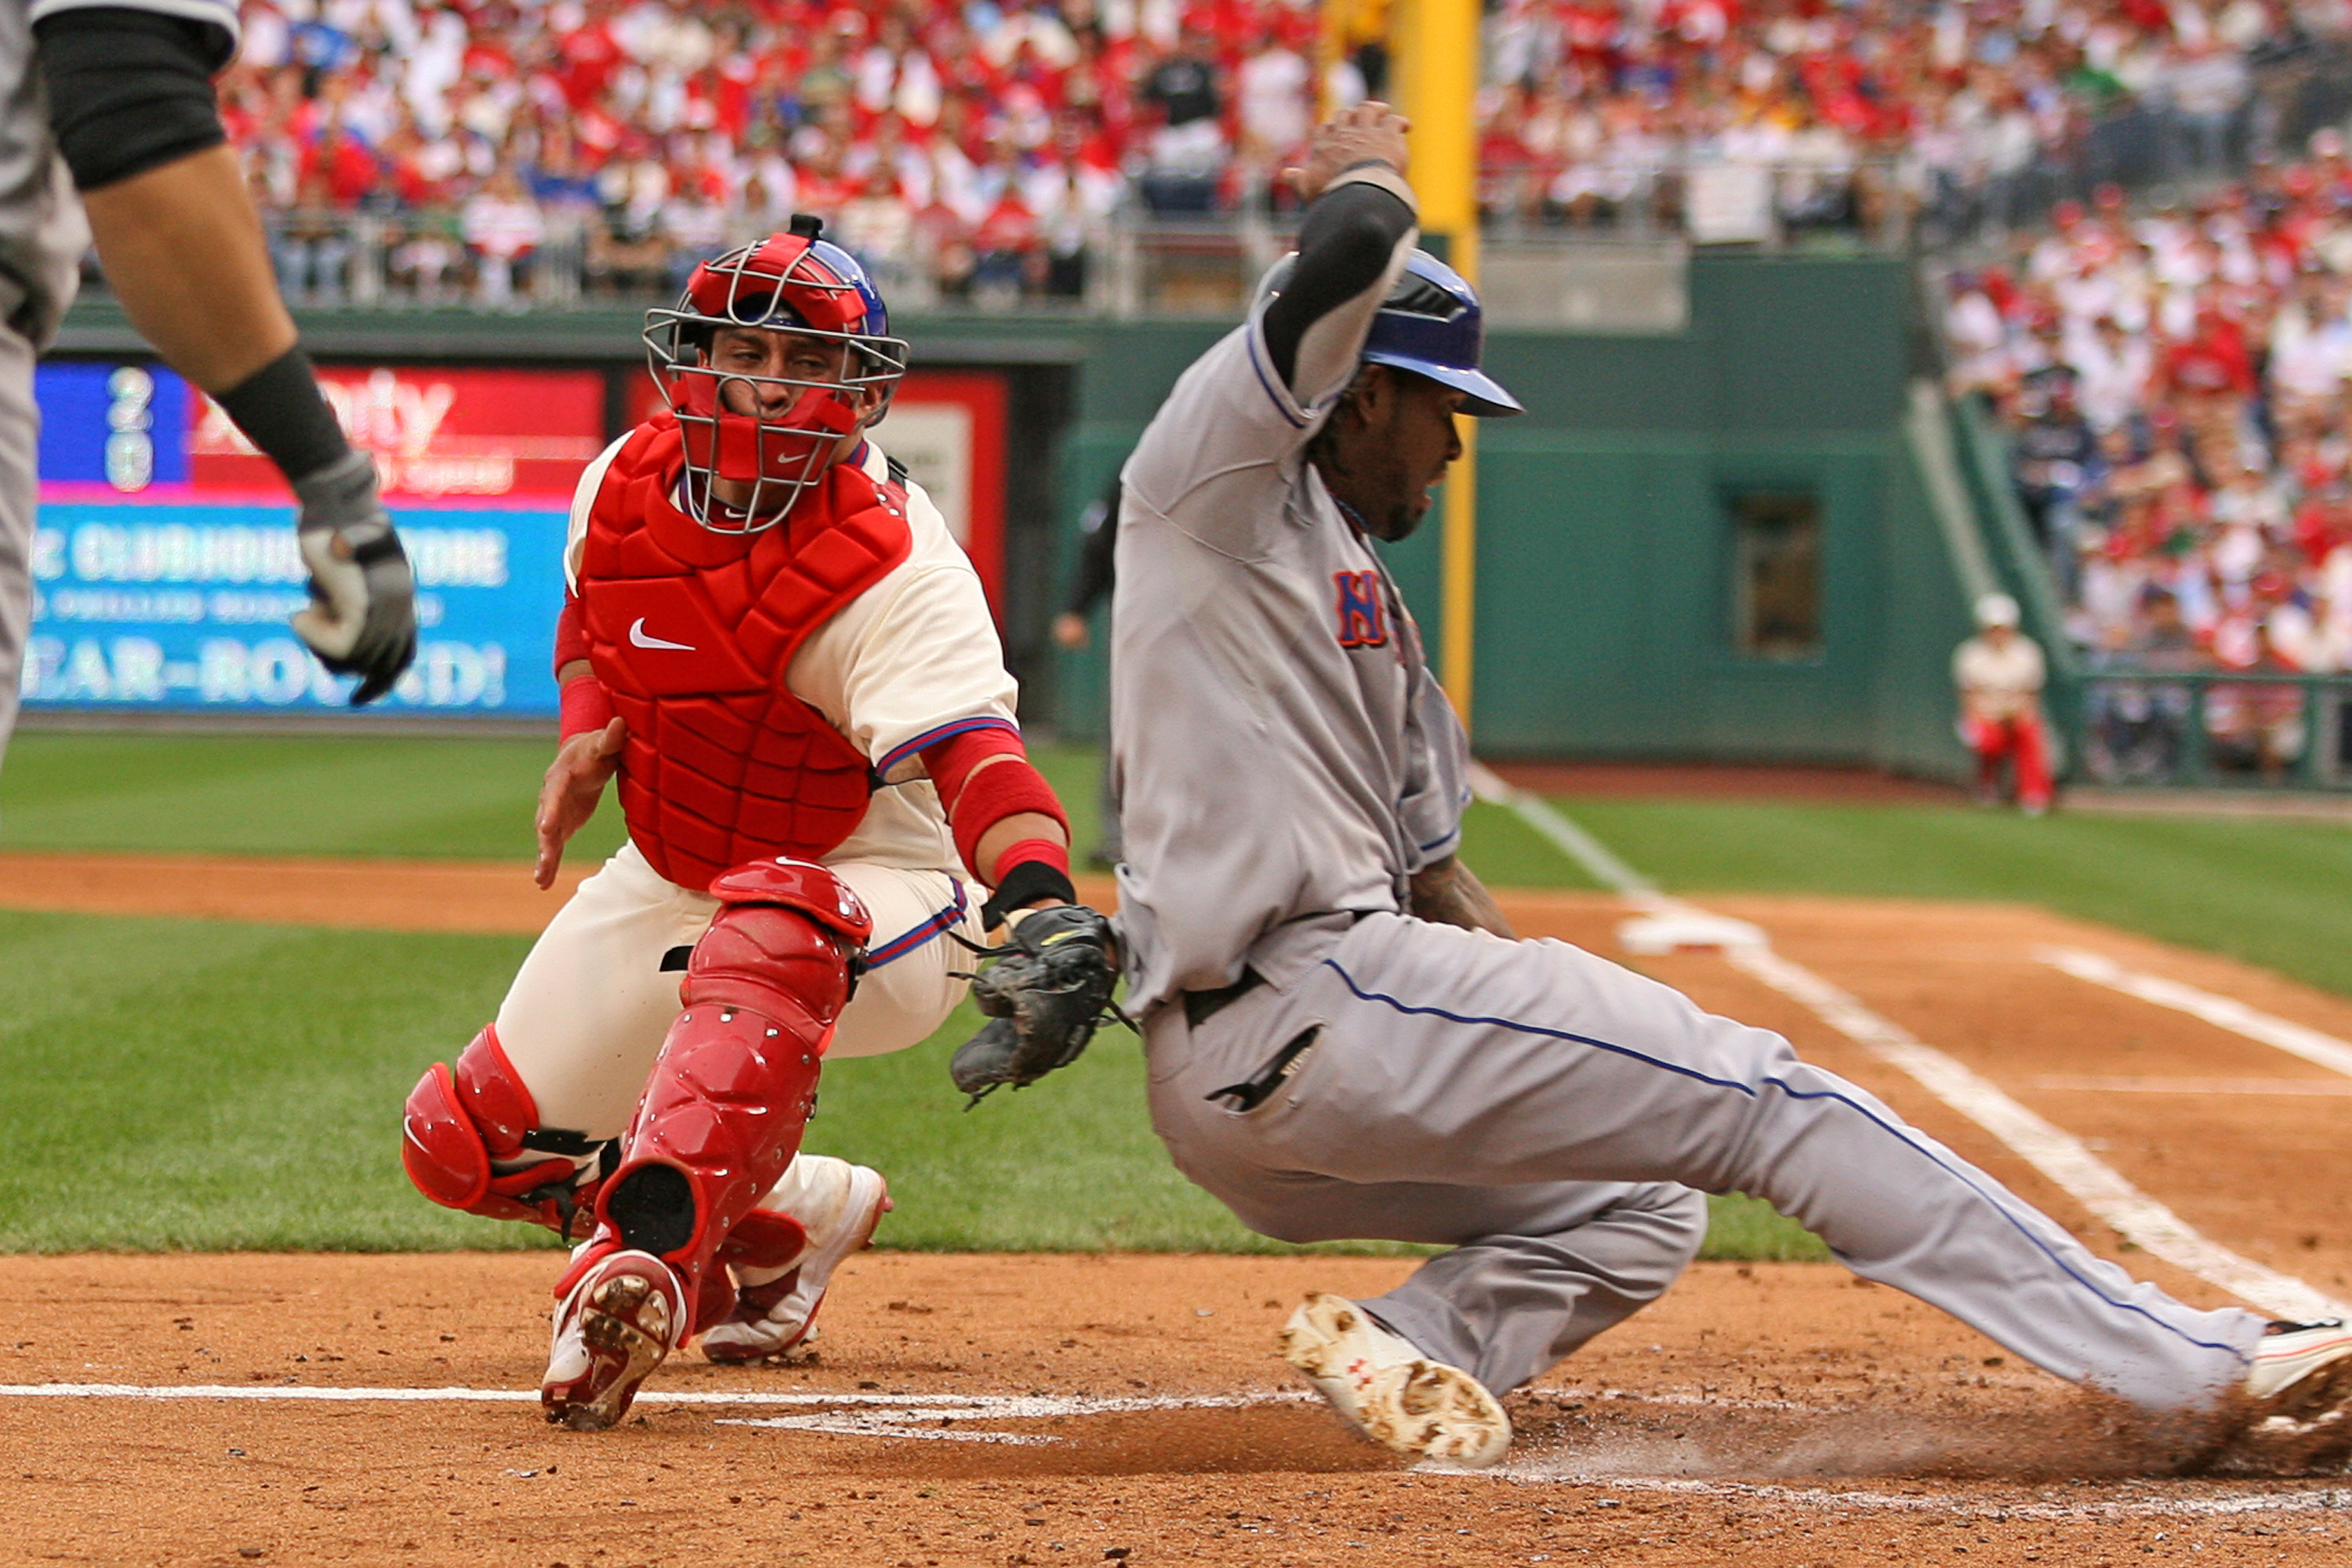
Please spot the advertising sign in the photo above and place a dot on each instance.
(435, 433)
(121, 425)
(183, 606)
(164, 565)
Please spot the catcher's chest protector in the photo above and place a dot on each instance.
(692, 631)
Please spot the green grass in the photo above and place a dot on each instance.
(194, 1084)
(182, 1084)
(323, 795)
(2268, 892)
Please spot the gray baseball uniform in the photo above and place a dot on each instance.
(42, 238)
(1330, 1066)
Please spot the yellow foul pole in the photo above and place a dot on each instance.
(1433, 51)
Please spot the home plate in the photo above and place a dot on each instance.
(1694, 930)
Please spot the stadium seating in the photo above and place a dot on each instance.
(509, 153)
(2177, 380)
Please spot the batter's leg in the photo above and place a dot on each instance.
(1537, 1269)
(1447, 1055)
(1558, 1266)
(20, 434)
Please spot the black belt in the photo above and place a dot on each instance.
(1200, 1006)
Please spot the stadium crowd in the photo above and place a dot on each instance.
(1961, 112)
(2177, 380)
(978, 147)
(977, 144)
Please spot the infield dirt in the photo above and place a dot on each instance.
(1765, 1414)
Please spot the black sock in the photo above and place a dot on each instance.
(652, 1207)
(281, 411)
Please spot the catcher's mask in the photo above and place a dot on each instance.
(792, 283)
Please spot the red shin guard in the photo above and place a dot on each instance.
(736, 1079)
(459, 1119)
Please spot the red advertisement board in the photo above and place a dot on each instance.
(436, 433)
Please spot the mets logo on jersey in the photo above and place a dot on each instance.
(1363, 621)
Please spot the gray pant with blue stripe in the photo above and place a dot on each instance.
(1553, 1118)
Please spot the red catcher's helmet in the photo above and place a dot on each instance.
(791, 282)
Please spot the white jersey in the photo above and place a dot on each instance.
(907, 663)
(1999, 683)
(1262, 656)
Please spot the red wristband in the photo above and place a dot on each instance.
(586, 706)
(1044, 851)
(571, 633)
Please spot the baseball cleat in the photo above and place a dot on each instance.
(615, 1326)
(839, 1204)
(2302, 1370)
(1391, 1392)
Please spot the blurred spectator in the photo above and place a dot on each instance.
(502, 227)
(1758, 117)
(1187, 149)
(2210, 524)
(2000, 673)
(2053, 459)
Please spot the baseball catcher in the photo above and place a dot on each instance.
(773, 648)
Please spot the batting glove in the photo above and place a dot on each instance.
(362, 616)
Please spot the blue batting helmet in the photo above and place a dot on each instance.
(1430, 325)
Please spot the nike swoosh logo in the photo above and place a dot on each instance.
(638, 635)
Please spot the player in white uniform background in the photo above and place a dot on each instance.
(113, 99)
(1998, 674)
(1344, 1040)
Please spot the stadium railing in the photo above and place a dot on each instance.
(2206, 727)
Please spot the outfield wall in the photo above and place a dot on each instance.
(1604, 533)
(1606, 553)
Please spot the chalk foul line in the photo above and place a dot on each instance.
(2060, 1156)
(2057, 1154)
(2313, 1046)
(2136, 1503)
(859, 1415)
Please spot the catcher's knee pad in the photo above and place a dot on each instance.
(788, 932)
(736, 1079)
(462, 1122)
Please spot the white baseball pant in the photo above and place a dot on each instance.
(588, 1011)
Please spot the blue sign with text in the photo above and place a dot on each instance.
(121, 425)
(183, 606)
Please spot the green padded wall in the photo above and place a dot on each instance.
(1604, 552)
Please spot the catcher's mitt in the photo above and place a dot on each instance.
(1046, 995)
